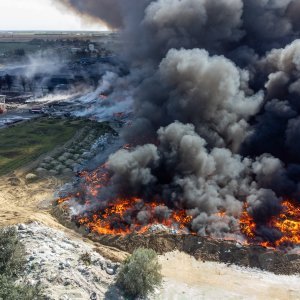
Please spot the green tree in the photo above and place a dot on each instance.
(20, 52)
(23, 81)
(140, 273)
(1, 82)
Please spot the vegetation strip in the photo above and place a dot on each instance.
(25, 142)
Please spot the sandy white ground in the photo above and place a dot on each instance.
(186, 278)
(54, 261)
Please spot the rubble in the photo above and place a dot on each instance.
(53, 260)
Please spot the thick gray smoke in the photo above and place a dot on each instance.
(183, 171)
(210, 92)
(218, 95)
(222, 26)
(279, 71)
(107, 11)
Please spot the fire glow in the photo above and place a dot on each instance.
(287, 223)
(113, 220)
(120, 216)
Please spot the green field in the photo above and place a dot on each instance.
(11, 46)
(25, 142)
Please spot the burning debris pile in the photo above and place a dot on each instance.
(215, 133)
(105, 209)
(122, 215)
(287, 223)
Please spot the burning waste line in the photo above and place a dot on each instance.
(287, 225)
(206, 95)
(126, 215)
(122, 215)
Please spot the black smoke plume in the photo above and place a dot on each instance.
(217, 105)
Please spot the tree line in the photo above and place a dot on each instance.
(8, 81)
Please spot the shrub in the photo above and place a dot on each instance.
(12, 263)
(11, 291)
(140, 273)
(12, 253)
(86, 258)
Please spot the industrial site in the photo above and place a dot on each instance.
(154, 158)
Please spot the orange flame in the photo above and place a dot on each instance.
(62, 200)
(287, 223)
(113, 220)
(121, 216)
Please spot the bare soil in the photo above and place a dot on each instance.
(186, 278)
(22, 202)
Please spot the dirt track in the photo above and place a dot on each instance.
(24, 203)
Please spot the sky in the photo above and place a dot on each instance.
(39, 15)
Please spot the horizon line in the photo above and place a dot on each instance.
(55, 30)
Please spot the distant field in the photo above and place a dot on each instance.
(25, 142)
(28, 36)
(7, 46)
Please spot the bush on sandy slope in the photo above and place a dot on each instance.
(12, 253)
(12, 262)
(140, 273)
(86, 258)
(11, 291)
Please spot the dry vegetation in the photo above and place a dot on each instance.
(12, 264)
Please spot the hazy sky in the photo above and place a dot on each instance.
(38, 15)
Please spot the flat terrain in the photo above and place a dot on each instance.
(25, 37)
(21, 202)
(186, 278)
(25, 142)
(12, 46)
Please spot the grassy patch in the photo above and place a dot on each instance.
(25, 142)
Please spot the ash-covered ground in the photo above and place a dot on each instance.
(59, 75)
